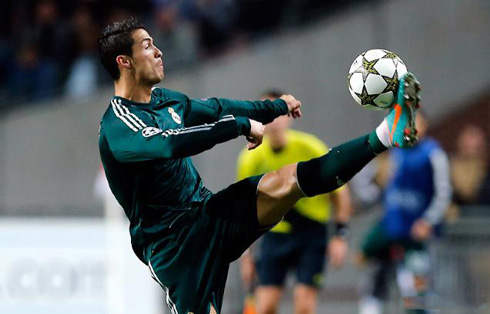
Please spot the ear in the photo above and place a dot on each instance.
(124, 61)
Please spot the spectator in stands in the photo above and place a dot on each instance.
(215, 20)
(267, 15)
(470, 171)
(35, 72)
(83, 76)
(176, 34)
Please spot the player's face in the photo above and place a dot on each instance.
(147, 59)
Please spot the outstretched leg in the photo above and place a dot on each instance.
(278, 191)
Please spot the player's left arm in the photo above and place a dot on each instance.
(442, 187)
(441, 199)
(200, 111)
(338, 244)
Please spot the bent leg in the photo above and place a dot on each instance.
(277, 194)
(412, 277)
(278, 191)
(329, 172)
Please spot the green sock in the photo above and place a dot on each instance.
(328, 172)
(376, 146)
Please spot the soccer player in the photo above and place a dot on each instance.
(415, 196)
(299, 241)
(187, 235)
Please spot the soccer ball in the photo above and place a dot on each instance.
(373, 78)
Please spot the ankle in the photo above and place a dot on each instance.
(379, 140)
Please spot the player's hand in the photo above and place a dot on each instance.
(337, 251)
(293, 105)
(247, 270)
(256, 134)
(421, 230)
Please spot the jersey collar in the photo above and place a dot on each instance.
(128, 102)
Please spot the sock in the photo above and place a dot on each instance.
(383, 133)
(328, 172)
(377, 139)
(370, 305)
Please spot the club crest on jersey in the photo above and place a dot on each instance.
(174, 115)
(150, 131)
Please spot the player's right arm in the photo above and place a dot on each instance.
(207, 110)
(134, 136)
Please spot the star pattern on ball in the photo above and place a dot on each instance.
(348, 79)
(365, 97)
(368, 68)
(390, 55)
(391, 82)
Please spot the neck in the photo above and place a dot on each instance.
(277, 141)
(129, 88)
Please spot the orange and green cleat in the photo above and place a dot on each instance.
(401, 119)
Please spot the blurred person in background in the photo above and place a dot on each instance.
(83, 75)
(37, 74)
(300, 240)
(268, 15)
(175, 32)
(470, 171)
(215, 22)
(415, 192)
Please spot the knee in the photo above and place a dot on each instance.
(305, 299)
(282, 183)
(268, 299)
(420, 284)
(304, 307)
(267, 306)
(269, 309)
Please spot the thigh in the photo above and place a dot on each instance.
(277, 193)
(312, 258)
(376, 244)
(190, 266)
(234, 211)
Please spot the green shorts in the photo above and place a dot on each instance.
(191, 260)
(378, 245)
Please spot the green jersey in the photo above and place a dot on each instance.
(145, 149)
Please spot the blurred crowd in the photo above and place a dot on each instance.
(49, 47)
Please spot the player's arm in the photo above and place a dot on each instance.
(207, 110)
(338, 244)
(441, 199)
(442, 188)
(342, 202)
(135, 137)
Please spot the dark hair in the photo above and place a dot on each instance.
(116, 40)
(272, 93)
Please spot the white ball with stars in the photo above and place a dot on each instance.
(373, 78)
